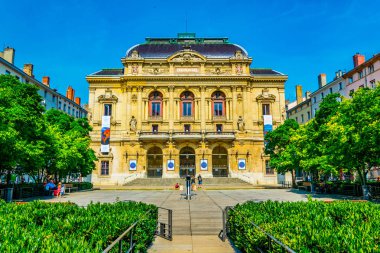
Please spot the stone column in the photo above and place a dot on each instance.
(203, 108)
(171, 107)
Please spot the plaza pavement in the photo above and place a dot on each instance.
(196, 222)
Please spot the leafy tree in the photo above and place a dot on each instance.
(282, 148)
(21, 125)
(315, 143)
(355, 133)
(70, 143)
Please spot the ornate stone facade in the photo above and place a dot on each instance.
(182, 106)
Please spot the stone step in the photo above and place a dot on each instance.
(169, 182)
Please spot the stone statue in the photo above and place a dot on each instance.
(133, 124)
(240, 123)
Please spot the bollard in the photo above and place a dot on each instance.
(188, 187)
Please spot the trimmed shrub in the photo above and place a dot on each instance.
(313, 226)
(66, 227)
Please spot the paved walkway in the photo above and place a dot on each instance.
(196, 222)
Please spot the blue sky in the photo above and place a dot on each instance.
(68, 40)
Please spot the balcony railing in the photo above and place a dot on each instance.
(218, 118)
(155, 118)
(220, 135)
(147, 136)
(187, 118)
(187, 136)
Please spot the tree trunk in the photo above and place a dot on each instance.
(294, 178)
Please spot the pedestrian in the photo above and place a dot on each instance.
(200, 181)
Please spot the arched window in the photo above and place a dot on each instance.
(155, 104)
(187, 104)
(218, 103)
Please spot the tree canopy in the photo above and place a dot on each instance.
(344, 135)
(37, 143)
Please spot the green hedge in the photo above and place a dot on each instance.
(312, 226)
(66, 227)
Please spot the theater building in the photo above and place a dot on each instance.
(181, 106)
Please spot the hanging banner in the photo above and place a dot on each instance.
(132, 165)
(105, 134)
(170, 164)
(241, 164)
(267, 124)
(204, 164)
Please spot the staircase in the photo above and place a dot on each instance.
(208, 183)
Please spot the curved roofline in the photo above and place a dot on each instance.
(245, 51)
(131, 49)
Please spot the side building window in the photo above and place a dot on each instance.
(266, 109)
(155, 104)
(218, 103)
(187, 104)
(107, 109)
(105, 168)
(268, 169)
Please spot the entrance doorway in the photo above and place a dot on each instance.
(219, 162)
(187, 162)
(154, 161)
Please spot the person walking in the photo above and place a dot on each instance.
(200, 181)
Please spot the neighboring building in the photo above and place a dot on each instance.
(184, 105)
(51, 98)
(299, 110)
(335, 86)
(364, 73)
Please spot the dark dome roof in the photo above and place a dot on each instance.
(222, 50)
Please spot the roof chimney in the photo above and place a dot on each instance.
(358, 59)
(28, 69)
(8, 54)
(46, 80)
(70, 93)
(299, 93)
(321, 80)
(77, 100)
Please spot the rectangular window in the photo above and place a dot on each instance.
(371, 69)
(360, 74)
(186, 110)
(154, 128)
(331, 91)
(322, 95)
(187, 128)
(218, 109)
(59, 105)
(340, 86)
(64, 107)
(76, 114)
(107, 109)
(45, 93)
(302, 119)
(350, 80)
(69, 110)
(219, 127)
(105, 169)
(156, 108)
(308, 115)
(297, 119)
(268, 169)
(315, 99)
(266, 109)
(7, 72)
(53, 98)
